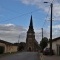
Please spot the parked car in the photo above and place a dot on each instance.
(46, 51)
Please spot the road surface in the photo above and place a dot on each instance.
(22, 56)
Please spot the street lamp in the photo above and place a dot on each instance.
(51, 5)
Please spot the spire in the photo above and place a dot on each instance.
(31, 23)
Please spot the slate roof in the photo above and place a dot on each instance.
(5, 42)
(55, 39)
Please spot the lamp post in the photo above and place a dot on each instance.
(51, 5)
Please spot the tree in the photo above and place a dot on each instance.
(21, 46)
(44, 43)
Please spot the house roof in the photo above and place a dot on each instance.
(5, 42)
(55, 39)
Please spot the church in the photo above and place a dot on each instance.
(31, 43)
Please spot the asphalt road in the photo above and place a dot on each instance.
(22, 56)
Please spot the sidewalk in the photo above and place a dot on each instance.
(46, 57)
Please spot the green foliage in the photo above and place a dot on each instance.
(43, 43)
(21, 46)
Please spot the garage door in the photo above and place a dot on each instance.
(2, 49)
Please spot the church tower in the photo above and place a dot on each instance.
(30, 39)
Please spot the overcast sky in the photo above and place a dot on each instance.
(15, 18)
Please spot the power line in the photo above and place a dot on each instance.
(20, 15)
(46, 18)
(9, 9)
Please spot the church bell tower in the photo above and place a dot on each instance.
(30, 39)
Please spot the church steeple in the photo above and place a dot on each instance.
(31, 23)
(31, 43)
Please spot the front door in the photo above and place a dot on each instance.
(59, 50)
(29, 49)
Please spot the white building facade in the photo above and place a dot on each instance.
(55, 45)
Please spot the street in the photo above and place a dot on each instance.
(22, 56)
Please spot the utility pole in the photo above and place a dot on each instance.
(51, 30)
(42, 33)
(18, 42)
(51, 5)
(18, 39)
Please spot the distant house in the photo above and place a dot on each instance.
(8, 47)
(55, 45)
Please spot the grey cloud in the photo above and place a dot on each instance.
(45, 7)
(8, 27)
(11, 32)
